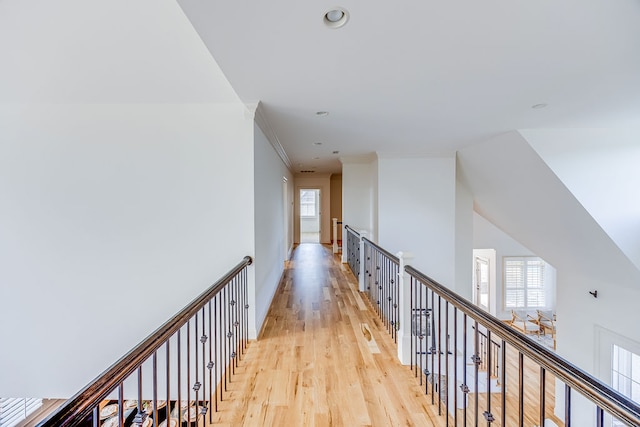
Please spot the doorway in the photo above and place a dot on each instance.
(310, 215)
(481, 287)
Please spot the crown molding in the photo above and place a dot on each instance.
(261, 120)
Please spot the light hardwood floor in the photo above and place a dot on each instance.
(324, 359)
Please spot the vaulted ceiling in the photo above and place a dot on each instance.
(424, 76)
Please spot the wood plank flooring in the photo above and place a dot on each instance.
(323, 358)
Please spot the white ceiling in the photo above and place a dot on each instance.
(423, 76)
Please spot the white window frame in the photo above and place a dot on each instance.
(308, 209)
(530, 281)
(625, 375)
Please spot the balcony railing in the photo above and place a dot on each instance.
(178, 373)
(353, 250)
(459, 353)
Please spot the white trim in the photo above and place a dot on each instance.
(261, 120)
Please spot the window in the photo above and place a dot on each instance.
(308, 203)
(625, 375)
(524, 284)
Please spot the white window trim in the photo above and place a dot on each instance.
(546, 285)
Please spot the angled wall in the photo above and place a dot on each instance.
(517, 191)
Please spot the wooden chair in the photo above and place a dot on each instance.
(524, 322)
(547, 322)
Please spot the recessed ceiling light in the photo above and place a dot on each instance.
(322, 113)
(538, 106)
(317, 143)
(336, 17)
(336, 152)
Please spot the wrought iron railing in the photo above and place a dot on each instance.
(441, 364)
(489, 346)
(353, 250)
(381, 284)
(450, 341)
(187, 365)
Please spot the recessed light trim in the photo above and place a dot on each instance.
(322, 113)
(317, 143)
(538, 106)
(336, 17)
(336, 152)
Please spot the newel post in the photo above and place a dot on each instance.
(404, 308)
(363, 263)
(335, 235)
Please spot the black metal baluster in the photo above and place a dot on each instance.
(188, 367)
(446, 360)
(504, 383)
(216, 362)
(246, 308)
(179, 372)
(543, 388)
(140, 416)
(465, 387)
(221, 337)
(196, 384)
(155, 385)
(433, 344)
(521, 388)
(203, 339)
(488, 415)
(210, 365)
(121, 405)
(455, 366)
(414, 329)
(433, 378)
(476, 362)
(236, 324)
(168, 374)
(599, 417)
(567, 406)
(397, 303)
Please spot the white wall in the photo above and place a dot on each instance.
(126, 174)
(270, 242)
(463, 237)
(416, 212)
(113, 217)
(357, 191)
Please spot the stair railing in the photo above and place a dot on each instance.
(452, 315)
(444, 340)
(381, 284)
(353, 250)
(202, 345)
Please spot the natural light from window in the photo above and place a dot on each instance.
(524, 282)
(625, 375)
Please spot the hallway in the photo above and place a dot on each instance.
(323, 358)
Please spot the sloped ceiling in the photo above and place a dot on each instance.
(74, 51)
(423, 76)
(514, 188)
